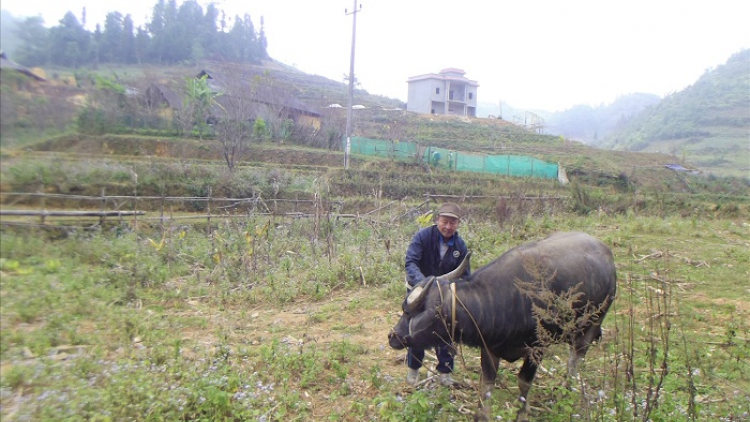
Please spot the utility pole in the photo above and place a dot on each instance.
(348, 147)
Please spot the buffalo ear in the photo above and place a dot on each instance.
(416, 296)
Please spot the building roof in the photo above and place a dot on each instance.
(173, 98)
(447, 74)
(452, 70)
(6, 63)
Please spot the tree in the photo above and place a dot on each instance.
(234, 131)
(168, 42)
(176, 37)
(175, 34)
(107, 107)
(112, 38)
(209, 31)
(97, 41)
(332, 128)
(142, 45)
(185, 32)
(156, 29)
(262, 42)
(197, 102)
(9, 32)
(33, 42)
(69, 42)
(242, 41)
(127, 41)
(240, 123)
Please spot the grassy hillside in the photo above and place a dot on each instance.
(707, 125)
(91, 165)
(385, 118)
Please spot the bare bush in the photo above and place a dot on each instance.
(332, 128)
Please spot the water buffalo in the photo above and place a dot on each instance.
(554, 290)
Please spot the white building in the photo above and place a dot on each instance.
(447, 92)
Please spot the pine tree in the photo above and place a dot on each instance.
(127, 41)
(112, 39)
(69, 42)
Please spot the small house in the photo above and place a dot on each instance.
(164, 100)
(448, 92)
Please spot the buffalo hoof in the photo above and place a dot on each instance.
(522, 417)
(481, 415)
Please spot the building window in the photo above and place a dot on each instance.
(432, 111)
(471, 95)
(450, 95)
(437, 90)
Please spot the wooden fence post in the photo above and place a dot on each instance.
(44, 205)
(208, 222)
(135, 202)
(104, 204)
(161, 210)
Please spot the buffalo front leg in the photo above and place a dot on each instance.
(490, 364)
(525, 378)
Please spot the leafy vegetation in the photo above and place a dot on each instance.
(268, 318)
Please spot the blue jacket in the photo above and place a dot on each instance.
(423, 255)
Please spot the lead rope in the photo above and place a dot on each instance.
(453, 312)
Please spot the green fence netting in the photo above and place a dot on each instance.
(511, 165)
(381, 148)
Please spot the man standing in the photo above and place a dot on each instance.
(435, 251)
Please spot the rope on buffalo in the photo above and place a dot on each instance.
(476, 326)
(453, 312)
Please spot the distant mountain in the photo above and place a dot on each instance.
(706, 125)
(593, 124)
(583, 123)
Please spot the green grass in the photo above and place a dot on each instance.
(104, 327)
(272, 318)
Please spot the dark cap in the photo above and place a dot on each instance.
(450, 210)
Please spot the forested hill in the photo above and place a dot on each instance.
(593, 124)
(707, 124)
(175, 34)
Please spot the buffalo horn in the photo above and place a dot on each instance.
(456, 274)
(415, 297)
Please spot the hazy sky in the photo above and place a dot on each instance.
(532, 54)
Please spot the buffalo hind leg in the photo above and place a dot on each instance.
(578, 348)
(525, 378)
